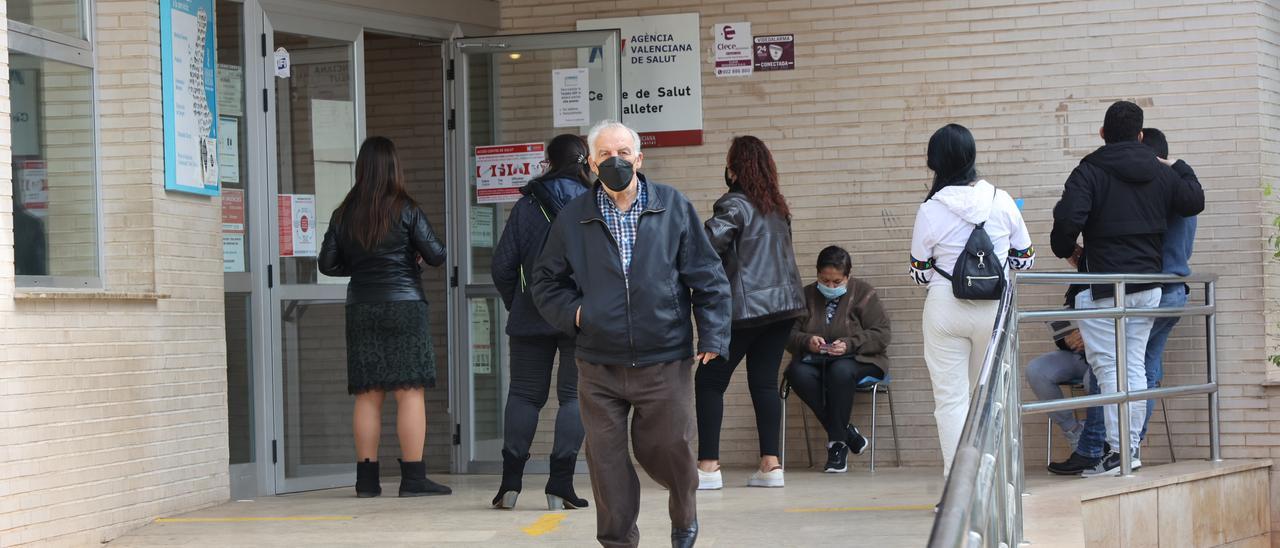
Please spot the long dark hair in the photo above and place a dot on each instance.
(952, 157)
(750, 161)
(567, 159)
(373, 205)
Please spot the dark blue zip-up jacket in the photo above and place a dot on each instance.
(676, 276)
(518, 250)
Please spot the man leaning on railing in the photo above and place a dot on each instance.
(1121, 197)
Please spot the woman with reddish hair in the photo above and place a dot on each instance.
(751, 230)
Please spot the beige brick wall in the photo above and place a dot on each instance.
(1269, 65)
(113, 412)
(873, 80)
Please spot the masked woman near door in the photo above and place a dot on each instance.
(534, 342)
(379, 236)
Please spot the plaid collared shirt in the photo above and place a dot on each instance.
(623, 224)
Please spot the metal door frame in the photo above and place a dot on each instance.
(458, 168)
(327, 475)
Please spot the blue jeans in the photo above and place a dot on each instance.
(1091, 441)
(1174, 296)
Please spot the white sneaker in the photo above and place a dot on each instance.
(710, 481)
(772, 478)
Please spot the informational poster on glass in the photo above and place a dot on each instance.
(297, 225)
(502, 169)
(189, 86)
(33, 187)
(569, 89)
(24, 118)
(482, 226)
(228, 150)
(481, 338)
(661, 76)
(233, 251)
(230, 93)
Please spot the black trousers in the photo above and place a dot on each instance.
(531, 361)
(828, 390)
(762, 347)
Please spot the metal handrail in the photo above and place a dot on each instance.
(982, 504)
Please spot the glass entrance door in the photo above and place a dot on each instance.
(509, 96)
(314, 126)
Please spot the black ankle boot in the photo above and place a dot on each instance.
(560, 495)
(367, 482)
(414, 482)
(512, 481)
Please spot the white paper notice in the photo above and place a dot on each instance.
(481, 338)
(482, 226)
(569, 88)
(333, 130)
(333, 181)
(733, 49)
(230, 90)
(232, 252)
(501, 170)
(282, 63)
(297, 225)
(228, 150)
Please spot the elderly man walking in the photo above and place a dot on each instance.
(627, 267)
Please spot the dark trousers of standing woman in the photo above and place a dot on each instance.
(531, 362)
(828, 390)
(763, 347)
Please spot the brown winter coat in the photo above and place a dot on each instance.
(860, 321)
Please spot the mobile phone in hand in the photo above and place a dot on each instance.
(825, 349)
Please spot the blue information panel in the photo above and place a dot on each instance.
(187, 51)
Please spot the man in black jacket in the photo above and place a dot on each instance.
(627, 266)
(1121, 197)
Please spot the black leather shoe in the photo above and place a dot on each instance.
(685, 538)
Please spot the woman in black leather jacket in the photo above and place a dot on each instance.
(751, 230)
(378, 236)
(534, 342)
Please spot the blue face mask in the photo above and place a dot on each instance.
(833, 293)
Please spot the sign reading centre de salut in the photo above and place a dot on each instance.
(661, 77)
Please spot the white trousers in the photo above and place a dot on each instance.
(1100, 349)
(956, 335)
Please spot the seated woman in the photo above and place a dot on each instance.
(840, 341)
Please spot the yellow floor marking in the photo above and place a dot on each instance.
(240, 520)
(545, 524)
(866, 508)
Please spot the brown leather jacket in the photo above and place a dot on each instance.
(860, 321)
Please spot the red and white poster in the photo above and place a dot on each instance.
(297, 224)
(502, 169)
(233, 250)
(33, 187)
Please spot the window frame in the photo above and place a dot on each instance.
(46, 44)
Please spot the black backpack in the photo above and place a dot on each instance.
(978, 274)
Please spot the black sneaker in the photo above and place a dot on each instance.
(1074, 465)
(837, 458)
(1110, 465)
(857, 442)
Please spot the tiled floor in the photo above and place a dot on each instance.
(892, 508)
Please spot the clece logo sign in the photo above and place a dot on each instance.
(729, 33)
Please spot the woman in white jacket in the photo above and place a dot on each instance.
(956, 331)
